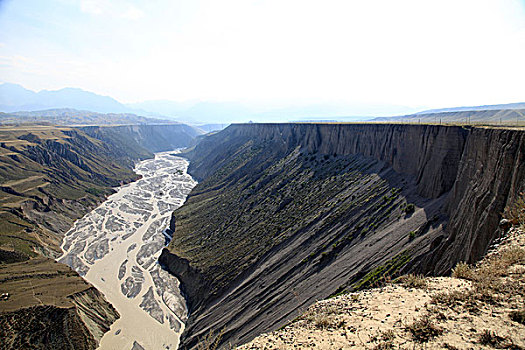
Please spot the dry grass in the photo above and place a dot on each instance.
(492, 339)
(412, 281)
(423, 330)
(210, 341)
(325, 322)
(463, 270)
(515, 213)
(386, 340)
(323, 317)
(489, 284)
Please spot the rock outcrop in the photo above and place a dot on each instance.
(289, 213)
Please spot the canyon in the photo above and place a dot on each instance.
(287, 214)
(52, 176)
(283, 215)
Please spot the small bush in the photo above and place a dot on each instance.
(410, 208)
(512, 256)
(463, 270)
(384, 345)
(210, 341)
(413, 281)
(518, 316)
(449, 299)
(515, 213)
(386, 340)
(423, 330)
(323, 322)
(411, 235)
(492, 339)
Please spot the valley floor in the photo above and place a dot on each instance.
(482, 307)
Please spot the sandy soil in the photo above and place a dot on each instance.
(441, 313)
(116, 247)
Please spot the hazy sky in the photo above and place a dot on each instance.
(414, 53)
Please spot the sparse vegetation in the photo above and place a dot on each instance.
(515, 213)
(325, 322)
(412, 281)
(386, 340)
(462, 270)
(423, 330)
(449, 313)
(384, 273)
(323, 317)
(490, 338)
(410, 208)
(518, 316)
(210, 341)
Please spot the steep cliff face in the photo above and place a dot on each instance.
(94, 311)
(52, 327)
(154, 138)
(491, 175)
(50, 307)
(430, 153)
(289, 213)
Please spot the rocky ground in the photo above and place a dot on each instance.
(481, 307)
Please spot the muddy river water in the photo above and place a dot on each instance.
(116, 247)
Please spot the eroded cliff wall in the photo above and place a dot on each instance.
(289, 213)
(490, 176)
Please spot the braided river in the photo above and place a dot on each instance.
(116, 246)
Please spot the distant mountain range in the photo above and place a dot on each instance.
(493, 115)
(519, 105)
(227, 112)
(15, 98)
(70, 116)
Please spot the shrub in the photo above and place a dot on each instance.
(512, 256)
(386, 339)
(492, 339)
(411, 235)
(210, 341)
(462, 270)
(450, 299)
(423, 330)
(324, 321)
(410, 208)
(413, 281)
(518, 316)
(515, 212)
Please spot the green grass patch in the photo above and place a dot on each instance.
(381, 273)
